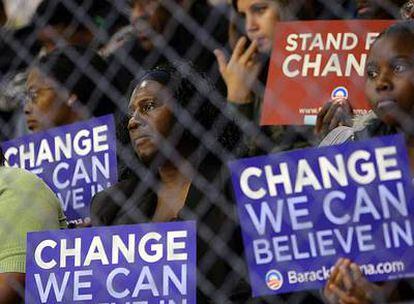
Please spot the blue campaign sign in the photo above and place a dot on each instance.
(144, 263)
(76, 161)
(302, 210)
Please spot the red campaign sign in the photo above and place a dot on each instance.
(314, 61)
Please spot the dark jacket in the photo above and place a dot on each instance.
(259, 140)
(221, 268)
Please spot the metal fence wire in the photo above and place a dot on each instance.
(186, 93)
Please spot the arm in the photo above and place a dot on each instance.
(11, 287)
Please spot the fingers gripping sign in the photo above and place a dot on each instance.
(347, 285)
(336, 112)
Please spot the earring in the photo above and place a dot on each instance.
(71, 101)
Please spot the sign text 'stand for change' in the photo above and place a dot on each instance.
(314, 61)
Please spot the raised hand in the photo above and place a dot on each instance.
(241, 71)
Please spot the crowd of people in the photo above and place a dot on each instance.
(185, 81)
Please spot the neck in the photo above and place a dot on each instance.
(170, 174)
(171, 194)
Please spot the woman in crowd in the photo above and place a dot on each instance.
(62, 89)
(245, 74)
(390, 90)
(338, 111)
(171, 130)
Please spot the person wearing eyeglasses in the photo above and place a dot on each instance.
(62, 89)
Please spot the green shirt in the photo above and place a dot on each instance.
(26, 204)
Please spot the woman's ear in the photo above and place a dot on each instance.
(79, 110)
(72, 99)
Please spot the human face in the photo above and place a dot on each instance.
(390, 79)
(148, 16)
(150, 118)
(46, 105)
(377, 9)
(260, 21)
(59, 36)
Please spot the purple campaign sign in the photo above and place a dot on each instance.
(76, 161)
(302, 210)
(144, 263)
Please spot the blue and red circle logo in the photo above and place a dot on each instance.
(339, 92)
(274, 279)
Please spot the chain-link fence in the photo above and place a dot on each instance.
(187, 92)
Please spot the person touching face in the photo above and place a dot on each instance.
(260, 17)
(150, 118)
(390, 79)
(241, 71)
(390, 90)
(339, 112)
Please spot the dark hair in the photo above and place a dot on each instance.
(180, 77)
(194, 106)
(79, 70)
(58, 12)
(404, 28)
(283, 2)
(3, 17)
(236, 24)
(2, 159)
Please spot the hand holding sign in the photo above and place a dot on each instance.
(145, 263)
(241, 71)
(347, 284)
(313, 61)
(336, 112)
(302, 209)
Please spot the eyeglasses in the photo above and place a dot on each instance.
(32, 94)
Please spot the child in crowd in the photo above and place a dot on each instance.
(390, 90)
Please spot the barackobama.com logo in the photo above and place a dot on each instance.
(274, 279)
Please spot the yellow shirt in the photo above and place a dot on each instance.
(26, 204)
